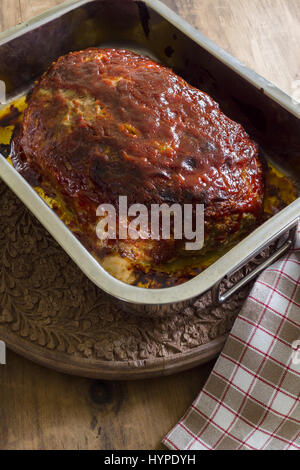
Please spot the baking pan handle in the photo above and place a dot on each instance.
(221, 298)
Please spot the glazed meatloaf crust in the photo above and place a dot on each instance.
(101, 123)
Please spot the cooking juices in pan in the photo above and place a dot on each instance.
(279, 192)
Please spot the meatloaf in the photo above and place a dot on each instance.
(101, 123)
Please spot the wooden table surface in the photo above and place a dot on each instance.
(42, 409)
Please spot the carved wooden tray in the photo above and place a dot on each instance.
(52, 314)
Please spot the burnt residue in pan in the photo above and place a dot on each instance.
(11, 118)
(5, 150)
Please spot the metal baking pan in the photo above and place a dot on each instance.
(270, 116)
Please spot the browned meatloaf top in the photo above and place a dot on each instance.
(106, 122)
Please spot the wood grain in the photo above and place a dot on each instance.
(10, 13)
(30, 8)
(263, 34)
(42, 409)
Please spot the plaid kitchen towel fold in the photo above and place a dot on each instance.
(252, 397)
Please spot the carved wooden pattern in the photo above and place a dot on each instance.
(51, 312)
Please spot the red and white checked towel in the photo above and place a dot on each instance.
(252, 397)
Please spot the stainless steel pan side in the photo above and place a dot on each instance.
(268, 114)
